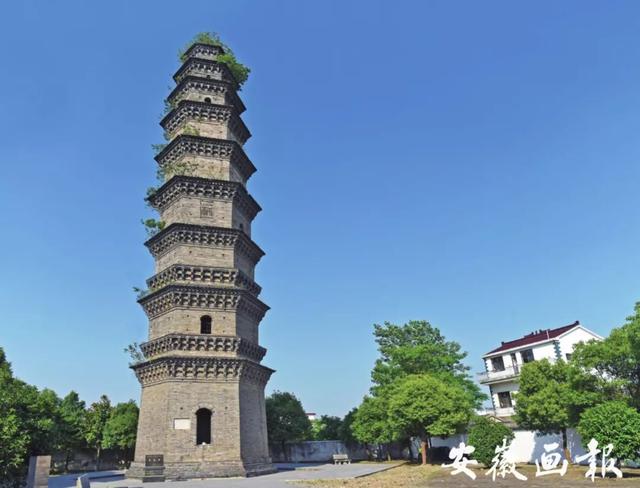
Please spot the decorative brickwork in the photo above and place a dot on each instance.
(204, 68)
(199, 343)
(213, 381)
(182, 273)
(191, 111)
(199, 88)
(191, 186)
(182, 368)
(202, 298)
(185, 146)
(200, 235)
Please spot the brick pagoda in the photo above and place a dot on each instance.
(202, 410)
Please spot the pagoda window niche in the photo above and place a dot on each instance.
(205, 324)
(203, 426)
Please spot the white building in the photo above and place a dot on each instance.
(502, 365)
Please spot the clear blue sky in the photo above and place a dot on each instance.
(475, 164)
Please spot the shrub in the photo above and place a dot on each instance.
(485, 434)
(614, 423)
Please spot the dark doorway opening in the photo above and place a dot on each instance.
(203, 426)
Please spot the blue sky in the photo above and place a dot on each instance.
(474, 164)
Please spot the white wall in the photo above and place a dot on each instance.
(527, 446)
(569, 340)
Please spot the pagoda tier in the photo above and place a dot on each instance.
(213, 158)
(207, 119)
(202, 409)
(200, 89)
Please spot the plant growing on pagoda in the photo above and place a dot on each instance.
(239, 71)
(182, 168)
(157, 148)
(135, 353)
(190, 130)
(153, 226)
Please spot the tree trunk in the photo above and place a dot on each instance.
(565, 446)
(284, 450)
(67, 455)
(423, 449)
(98, 453)
(388, 452)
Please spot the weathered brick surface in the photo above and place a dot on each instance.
(175, 389)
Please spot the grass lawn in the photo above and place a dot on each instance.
(411, 475)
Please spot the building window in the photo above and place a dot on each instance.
(527, 355)
(504, 399)
(203, 426)
(207, 100)
(568, 356)
(497, 363)
(205, 324)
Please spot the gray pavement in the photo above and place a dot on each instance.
(286, 472)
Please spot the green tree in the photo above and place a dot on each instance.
(615, 360)
(72, 412)
(326, 428)
(120, 430)
(615, 423)
(485, 434)
(28, 423)
(552, 396)
(286, 419)
(14, 436)
(424, 406)
(95, 421)
(345, 432)
(371, 424)
(415, 348)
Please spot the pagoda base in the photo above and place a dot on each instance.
(200, 470)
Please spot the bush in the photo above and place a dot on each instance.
(485, 434)
(614, 423)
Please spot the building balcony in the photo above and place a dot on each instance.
(487, 377)
(497, 412)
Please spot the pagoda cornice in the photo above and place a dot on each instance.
(202, 50)
(191, 110)
(193, 186)
(202, 343)
(200, 369)
(207, 85)
(202, 297)
(203, 275)
(207, 147)
(202, 235)
(203, 68)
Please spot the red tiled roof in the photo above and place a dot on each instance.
(533, 337)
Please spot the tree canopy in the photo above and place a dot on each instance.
(485, 434)
(286, 419)
(326, 428)
(616, 423)
(552, 396)
(121, 428)
(615, 360)
(424, 406)
(415, 348)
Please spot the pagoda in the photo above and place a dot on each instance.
(202, 408)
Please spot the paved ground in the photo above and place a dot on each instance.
(575, 478)
(286, 472)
